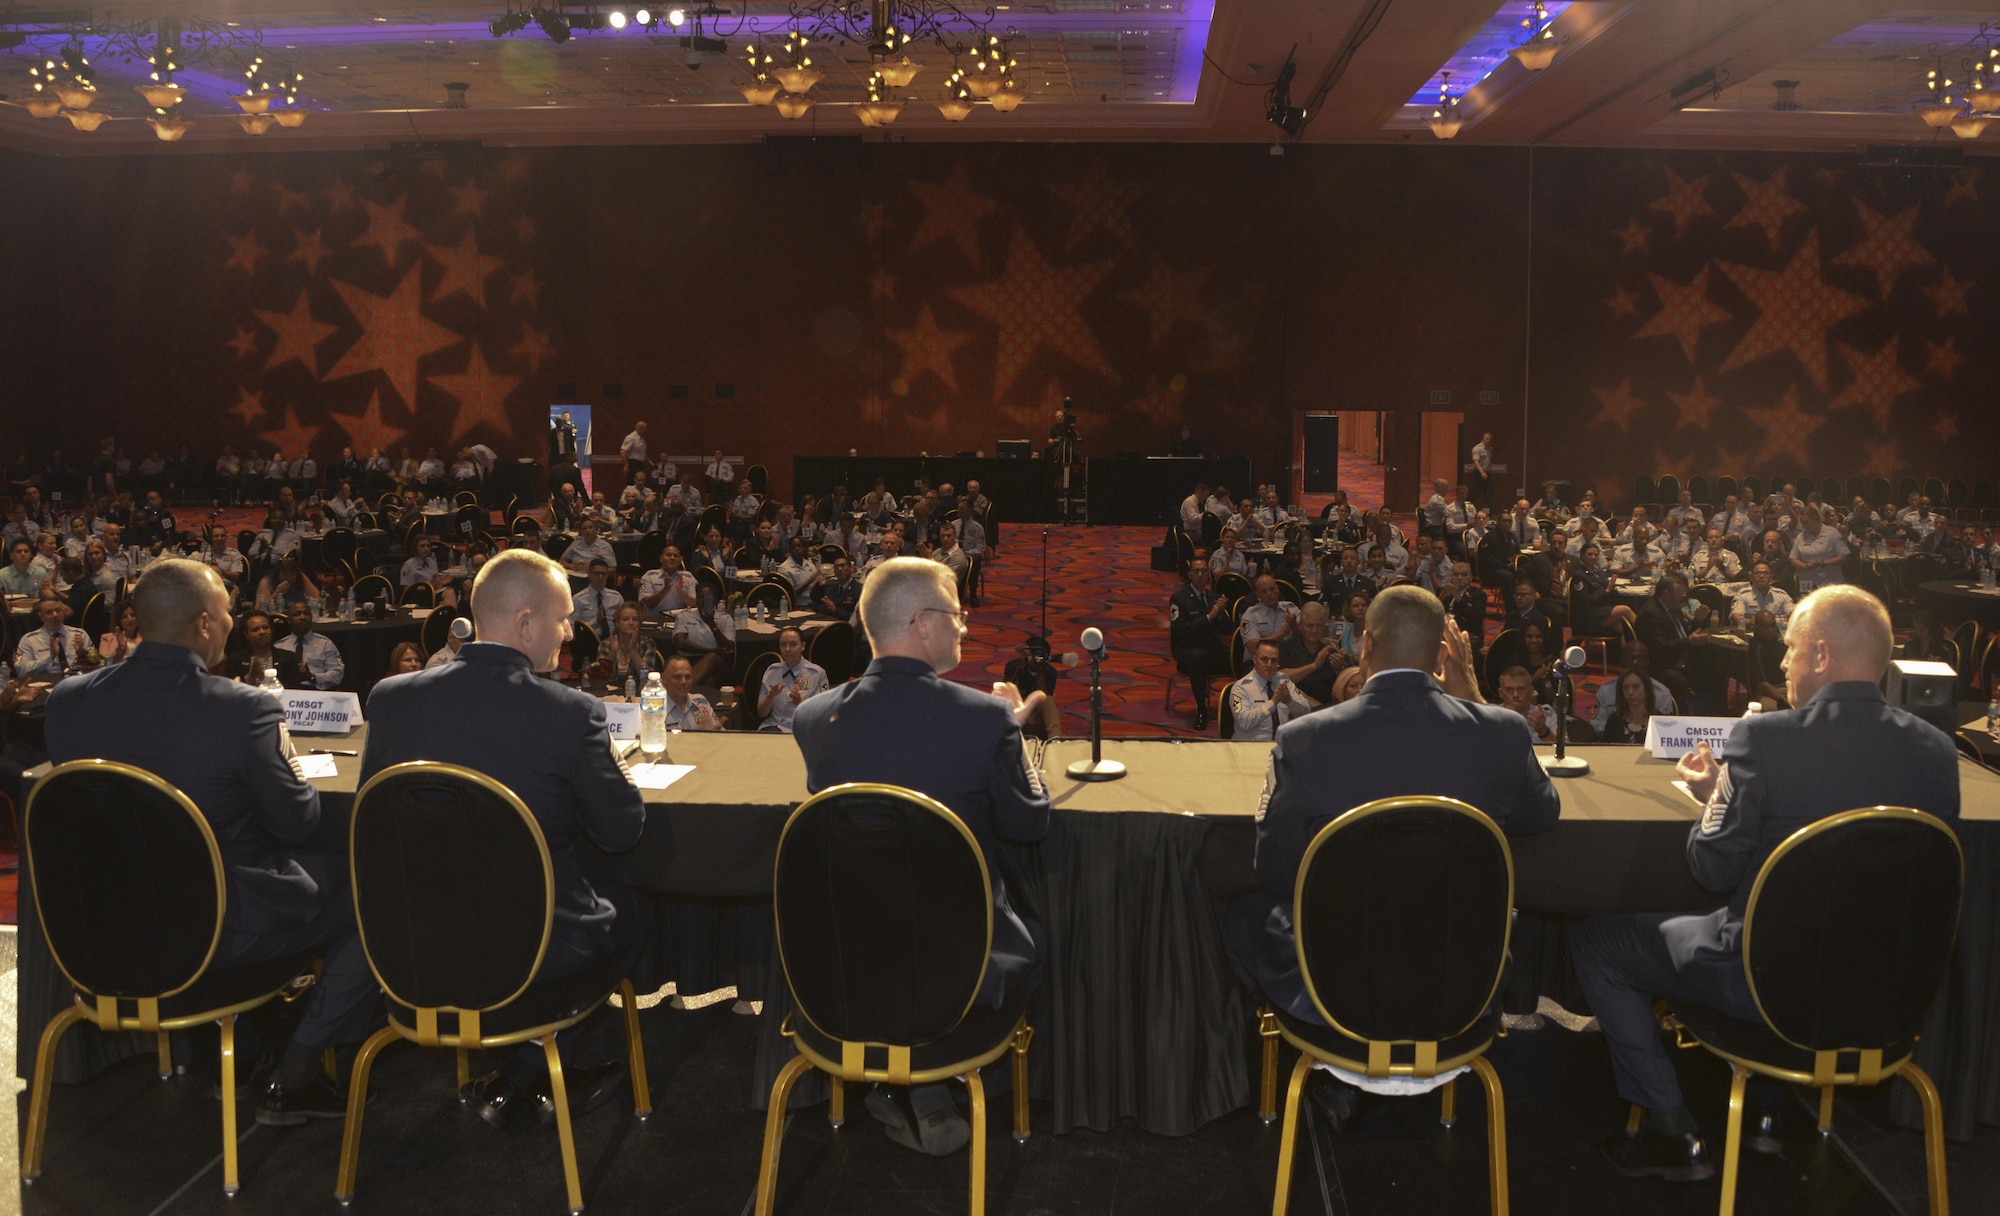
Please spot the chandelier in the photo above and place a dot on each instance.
(1445, 119)
(1539, 45)
(1970, 108)
(886, 28)
(64, 81)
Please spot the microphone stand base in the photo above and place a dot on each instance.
(1568, 766)
(1095, 770)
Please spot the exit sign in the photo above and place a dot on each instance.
(1440, 396)
(1489, 397)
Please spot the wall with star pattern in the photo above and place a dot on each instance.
(1687, 312)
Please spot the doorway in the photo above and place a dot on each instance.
(1342, 450)
(1438, 452)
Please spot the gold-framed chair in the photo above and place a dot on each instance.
(1882, 883)
(1440, 1013)
(886, 989)
(458, 970)
(129, 887)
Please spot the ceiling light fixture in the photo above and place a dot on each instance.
(956, 104)
(760, 90)
(617, 20)
(797, 73)
(553, 22)
(1445, 120)
(1538, 46)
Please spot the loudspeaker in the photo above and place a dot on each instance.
(1926, 689)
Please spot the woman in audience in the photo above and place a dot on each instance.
(1353, 619)
(255, 656)
(404, 659)
(1634, 707)
(1539, 657)
(1590, 597)
(710, 552)
(627, 653)
(114, 646)
(98, 570)
(286, 588)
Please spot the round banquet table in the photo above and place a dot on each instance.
(1957, 599)
(365, 645)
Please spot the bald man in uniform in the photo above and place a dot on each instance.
(1844, 746)
(971, 759)
(489, 710)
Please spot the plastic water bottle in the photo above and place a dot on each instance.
(653, 719)
(271, 684)
(631, 691)
(1993, 717)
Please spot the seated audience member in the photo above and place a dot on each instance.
(892, 548)
(840, 596)
(597, 603)
(588, 547)
(1264, 699)
(740, 515)
(1268, 617)
(1466, 604)
(1351, 629)
(971, 531)
(1817, 553)
(687, 709)
(1775, 551)
(1714, 561)
(706, 635)
(1761, 596)
(20, 576)
(949, 553)
(1395, 557)
(1631, 708)
(1844, 747)
(1311, 658)
(1638, 657)
(307, 659)
(1927, 640)
(116, 645)
(1348, 579)
(254, 656)
(1192, 509)
(1526, 608)
(455, 639)
(1640, 557)
(712, 553)
(286, 589)
(1539, 653)
(625, 653)
(220, 744)
(669, 588)
(404, 659)
(275, 540)
(1590, 597)
(1678, 544)
(974, 764)
(1677, 632)
(764, 550)
(489, 710)
(788, 682)
(1227, 558)
(421, 566)
(1516, 687)
(54, 648)
(1436, 738)
(1764, 663)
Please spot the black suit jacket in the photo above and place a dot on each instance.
(900, 724)
(1188, 624)
(1665, 638)
(1327, 763)
(488, 711)
(218, 741)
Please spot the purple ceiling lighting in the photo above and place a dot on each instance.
(1485, 50)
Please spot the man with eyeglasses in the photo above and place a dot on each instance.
(975, 765)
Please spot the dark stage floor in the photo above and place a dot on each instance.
(129, 1143)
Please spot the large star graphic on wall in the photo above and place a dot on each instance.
(482, 396)
(1621, 302)
(1684, 311)
(291, 435)
(1036, 305)
(288, 198)
(1633, 237)
(927, 348)
(1787, 430)
(1696, 406)
(1949, 295)
(395, 334)
(387, 229)
(366, 430)
(338, 196)
(1099, 203)
(244, 252)
(471, 200)
(1685, 201)
(1878, 380)
(1168, 297)
(952, 208)
(465, 269)
(533, 346)
(526, 288)
(249, 406)
(1617, 405)
(244, 343)
(1796, 308)
(298, 335)
(308, 250)
(1884, 460)
(1943, 358)
(1766, 205)
(1890, 247)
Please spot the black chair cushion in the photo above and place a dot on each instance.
(981, 1030)
(1355, 1051)
(543, 1004)
(219, 989)
(1757, 1042)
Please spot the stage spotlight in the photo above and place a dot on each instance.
(617, 20)
(553, 23)
(514, 20)
(644, 17)
(677, 17)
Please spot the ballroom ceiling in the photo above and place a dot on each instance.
(1644, 73)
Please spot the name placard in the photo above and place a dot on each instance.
(312, 712)
(623, 720)
(1671, 738)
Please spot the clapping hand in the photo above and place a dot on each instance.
(1024, 707)
(1537, 721)
(1459, 679)
(1700, 769)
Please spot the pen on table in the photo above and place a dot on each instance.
(330, 751)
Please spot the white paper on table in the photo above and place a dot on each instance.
(658, 776)
(311, 767)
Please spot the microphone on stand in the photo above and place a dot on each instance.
(1097, 768)
(1562, 764)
